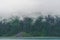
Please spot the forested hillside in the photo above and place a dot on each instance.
(42, 26)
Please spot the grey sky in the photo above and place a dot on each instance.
(26, 7)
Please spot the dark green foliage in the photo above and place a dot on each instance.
(42, 26)
(27, 23)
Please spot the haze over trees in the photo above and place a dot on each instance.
(42, 26)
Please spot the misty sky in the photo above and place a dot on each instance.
(28, 7)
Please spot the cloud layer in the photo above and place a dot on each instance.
(28, 7)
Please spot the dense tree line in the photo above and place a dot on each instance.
(42, 26)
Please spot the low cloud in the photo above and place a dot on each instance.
(28, 7)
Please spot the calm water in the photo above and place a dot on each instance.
(29, 39)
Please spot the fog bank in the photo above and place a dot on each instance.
(29, 7)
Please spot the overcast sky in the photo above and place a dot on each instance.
(28, 7)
